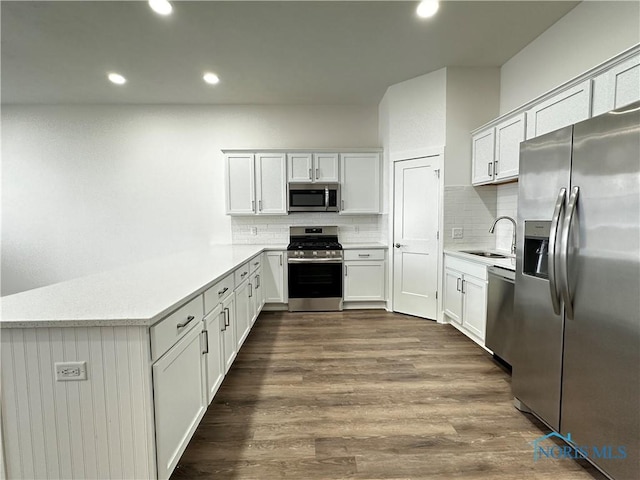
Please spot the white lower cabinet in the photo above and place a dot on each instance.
(179, 398)
(244, 308)
(273, 280)
(256, 295)
(214, 350)
(364, 275)
(465, 296)
(228, 328)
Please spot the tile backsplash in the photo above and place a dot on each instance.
(472, 209)
(275, 229)
(507, 204)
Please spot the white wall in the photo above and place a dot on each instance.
(472, 100)
(413, 113)
(591, 33)
(88, 188)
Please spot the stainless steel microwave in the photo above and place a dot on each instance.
(313, 197)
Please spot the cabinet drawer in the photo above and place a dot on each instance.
(216, 294)
(255, 263)
(168, 331)
(477, 270)
(372, 254)
(241, 274)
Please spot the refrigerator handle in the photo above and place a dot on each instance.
(564, 253)
(553, 234)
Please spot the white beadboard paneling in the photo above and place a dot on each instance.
(96, 428)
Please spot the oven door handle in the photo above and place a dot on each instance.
(315, 260)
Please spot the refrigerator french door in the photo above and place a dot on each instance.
(577, 307)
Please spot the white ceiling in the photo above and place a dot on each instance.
(267, 52)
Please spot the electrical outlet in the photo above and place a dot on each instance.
(457, 233)
(68, 371)
(253, 230)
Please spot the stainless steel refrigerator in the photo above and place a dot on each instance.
(576, 364)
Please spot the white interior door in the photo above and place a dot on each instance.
(415, 230)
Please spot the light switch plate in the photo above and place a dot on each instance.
(457, 233)
(70, 371)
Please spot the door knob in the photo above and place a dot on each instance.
(397, 245)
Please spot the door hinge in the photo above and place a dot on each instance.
(438, 235)
(436, 295)
(437, 172)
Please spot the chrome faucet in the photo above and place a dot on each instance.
(513, 241)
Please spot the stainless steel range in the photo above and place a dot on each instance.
(314, 259)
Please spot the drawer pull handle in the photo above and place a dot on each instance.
(364, 254)
(189, 319)
(223, 290)
(206, 341)
(242, 275)
(256, 264)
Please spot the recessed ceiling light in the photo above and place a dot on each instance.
(210, 78)
(117, 78)
(428, 8)
(161, 7)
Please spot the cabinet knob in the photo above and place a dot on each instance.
(397, 245)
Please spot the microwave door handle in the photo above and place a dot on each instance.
(326, 198)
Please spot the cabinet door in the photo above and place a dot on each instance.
(229, 331)
(240, 184)
(300, 167)
(509, 134)
(567, 107)
(259, 291)
(179, 399)
(325, 167)
(482, 154)
(453, 295)
(617, 87)
(360, 192)
(243, 312)
(474, 312)
(273, 279)
(214, 326)
(254, 301)
(271, 186)
(364, 281)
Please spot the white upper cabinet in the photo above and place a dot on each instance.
(483, 144)
(271, 188)
(325, 167)
(256, 184)
(312, 167)
(240, 184)
(617, 87)
(300, 167)
(509, 134)
(360, 183)
(565, 108)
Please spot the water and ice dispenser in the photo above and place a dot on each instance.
(536, 248)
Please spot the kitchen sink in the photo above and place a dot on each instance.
(482, 253)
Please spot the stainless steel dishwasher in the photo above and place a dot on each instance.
(500, 328)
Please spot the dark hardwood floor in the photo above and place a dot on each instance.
(366, 395)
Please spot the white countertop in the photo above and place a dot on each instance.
(354, 246)
(508, 263)
(139, 294)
